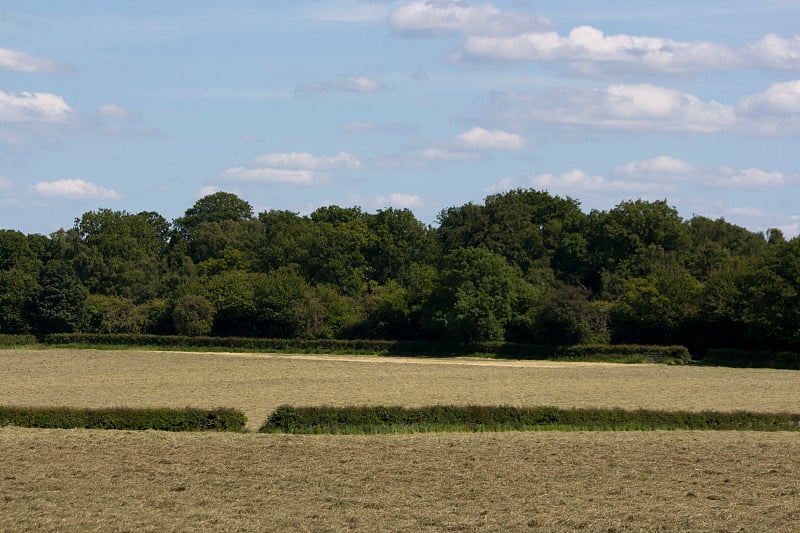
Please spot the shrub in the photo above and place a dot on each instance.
(193, 315)
(751, 359)
(383, 419)
(163, 419)
(16, 340)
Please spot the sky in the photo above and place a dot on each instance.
(148, 105)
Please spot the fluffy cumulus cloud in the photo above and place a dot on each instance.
(779, 99)
(75, 188)
(33, 107)
(446, 17)
(481, 139)
(647, 107)
(773, 51)
(354, 84)
(15, 61)
(298, 168)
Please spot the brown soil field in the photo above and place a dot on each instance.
(77, 480)
(89, 480)
(257, 384)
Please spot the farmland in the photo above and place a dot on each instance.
(118, 480)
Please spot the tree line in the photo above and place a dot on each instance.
(523, 266)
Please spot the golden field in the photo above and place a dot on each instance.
(70, 480)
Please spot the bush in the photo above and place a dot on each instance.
(163, 419)
(193, 315)
(383, 419)
(17, 340)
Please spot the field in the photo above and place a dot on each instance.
(596, 481)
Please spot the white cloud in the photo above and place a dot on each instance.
(33, 107)
(297, 168)
(480, 139)
(6, 184)
(306, 161)
(403, 201)
(669, 169)
(586, 47)
(446, 17)
(773, 51)
(76, 188)
(754, 177)
(658, 167)
(577, 180)
(646, 107)
(355, 84)
(780, 98)
(14, 61)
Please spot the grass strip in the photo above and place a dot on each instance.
(162, 419)
(476, 418)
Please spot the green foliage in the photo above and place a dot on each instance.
(164, 419)
(60, 302)
(17, 340)
(751, 359)
(193, 315)
(476, 296)
(392, 419)
(216, 207)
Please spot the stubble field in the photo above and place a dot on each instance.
(596, 481)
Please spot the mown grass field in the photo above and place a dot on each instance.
(596, 481)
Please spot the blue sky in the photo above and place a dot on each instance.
(149, 105)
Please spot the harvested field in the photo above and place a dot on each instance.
(256, 384)
(72, 480)
(597, 481)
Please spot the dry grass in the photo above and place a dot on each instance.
(257, 384)
(79, 480)
(605, 481)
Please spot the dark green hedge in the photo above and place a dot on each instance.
(189, 419)
(596, 352)
(751, 359)
(17, 340)
(382, 419)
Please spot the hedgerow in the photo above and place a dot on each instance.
(751, 359)
(506, 350)
(17, 340)
(163, 419)
(393, 419)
